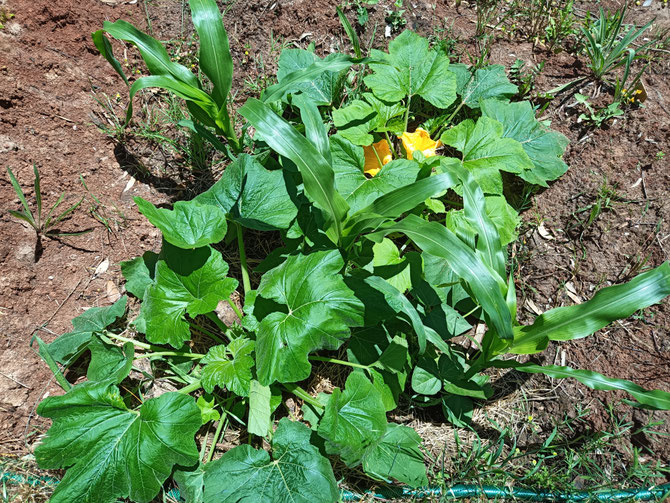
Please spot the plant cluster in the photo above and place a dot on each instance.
(393, 226)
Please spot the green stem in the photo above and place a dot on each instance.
(170, 353)
(195, 385)
(246, 283)
(239, 313)
(208, 333)
(379, 161)
(223, 422)
(409, 102)
(302, 394)
(391, 147)
(339, 362)
(204, 445)
(458, 108)
(133, 342)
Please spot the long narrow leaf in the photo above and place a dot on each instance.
(154, 54)
(214, 56)
(19, 192)
(351, 33)
(185, 91)
(656, 399)
(437, 240)
(38, 195)
(399, 302)
(317, 173)
(399, 201)
(315, 129)
(105, 49)
(488, 242)
(609, 304)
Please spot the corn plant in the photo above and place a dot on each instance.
(608, 43)
(392, 245)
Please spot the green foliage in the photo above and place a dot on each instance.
(112, 451)
(319, 309)
(375, 274)
(608, 42)
(412, 69)
(297, 473)
(44, 225)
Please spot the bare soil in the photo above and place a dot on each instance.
(51, 75)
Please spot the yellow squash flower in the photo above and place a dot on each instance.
(374, 154)
(419, 140)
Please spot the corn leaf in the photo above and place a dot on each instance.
(393, 204)
(437, 240)
(609, 304)
(214, 56)
(317, 173)
(359, 190)
(655, 399)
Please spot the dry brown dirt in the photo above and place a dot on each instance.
(50, 75)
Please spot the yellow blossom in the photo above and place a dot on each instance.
(375, 153)
(419, 140)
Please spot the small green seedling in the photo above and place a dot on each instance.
(44, 225)
(597, 117)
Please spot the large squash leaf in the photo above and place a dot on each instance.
(354, 419)
(85, 325)
(410, 69)
(243, 193)
(489, 82)
(296, 474)
(544, 147)
(486, 152)
(111, 452)
(139, 273)
(396, 455)
(189, 225)
(188, 282)
(321, 89)
(320, 308)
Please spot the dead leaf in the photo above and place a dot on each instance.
(544, 233)
(102, 268)
(532, 307)
(113, 293)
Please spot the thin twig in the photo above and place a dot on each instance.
(17, 382)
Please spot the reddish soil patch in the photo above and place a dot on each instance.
(50, 70)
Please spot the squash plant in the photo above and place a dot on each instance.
(377, 274)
